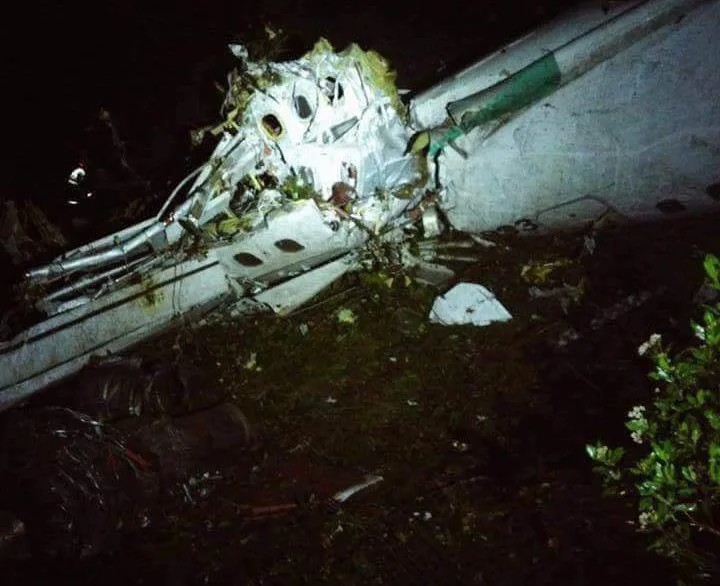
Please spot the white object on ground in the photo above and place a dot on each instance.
(468, 303)
(344, 495)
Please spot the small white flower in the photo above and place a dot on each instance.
(653, 341)
(637, 412)
(636, 436)
(646, 518)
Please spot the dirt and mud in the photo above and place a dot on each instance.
(478, 433)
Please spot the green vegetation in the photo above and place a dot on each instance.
(673, 469)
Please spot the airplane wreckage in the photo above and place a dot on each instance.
(320, 161)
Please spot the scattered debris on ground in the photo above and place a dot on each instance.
(387, 448)
(368, 436)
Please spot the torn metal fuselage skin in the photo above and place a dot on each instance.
(594, 115)
(599, 113)
(308, 160)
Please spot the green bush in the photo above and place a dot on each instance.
(672, 469)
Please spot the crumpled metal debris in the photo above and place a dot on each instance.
(328, 125)
(306, 171)
(468, 303)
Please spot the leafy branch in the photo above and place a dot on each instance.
(673, 470)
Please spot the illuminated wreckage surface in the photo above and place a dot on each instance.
(318, 158)
(308, 167)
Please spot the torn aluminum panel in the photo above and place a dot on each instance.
(311, 163)
(61, 345)
(468, 303)
(596, 115)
